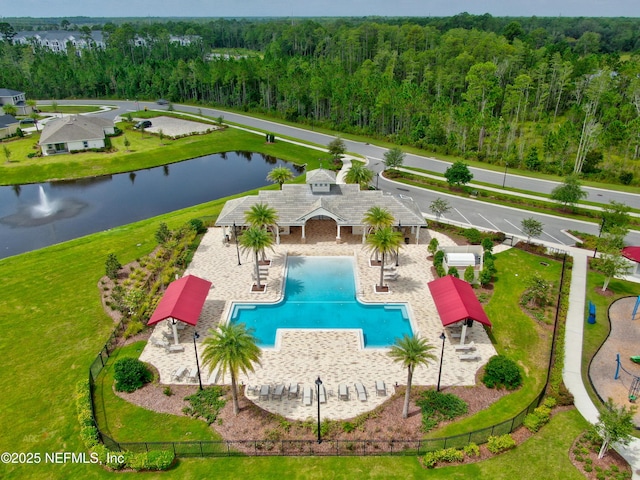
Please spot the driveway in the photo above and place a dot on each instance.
(176, 127)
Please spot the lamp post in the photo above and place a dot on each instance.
(235, 235)
(195, 335)
(504, 179)
(595, 251)
(443, 338)
(318, 383)
(398, 251)
(377, 178)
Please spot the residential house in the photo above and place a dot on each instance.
(15, 98)
(58, 40)
(8, 126)
(75, 133)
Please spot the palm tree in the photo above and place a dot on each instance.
(376, 218)
(256, 240)
(262, 216)
(411, 351)
(384, 240)
(233, 349)
(280, 175)
(359, 174)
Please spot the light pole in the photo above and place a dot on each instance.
(377, 178)
(235, 235)
(504, 179)
(318, 383)
(195, 335)
(398, 251)
(443, 338)
(599, 235)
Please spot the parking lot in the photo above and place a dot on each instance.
(175, 127)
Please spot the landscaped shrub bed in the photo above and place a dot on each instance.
(438, 406)
(502, 372)
(206, 403)
(131, 374)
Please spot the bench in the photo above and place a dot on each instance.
(176, 348)
(469, 356)
(466, 347)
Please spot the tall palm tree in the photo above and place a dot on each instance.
(411, 352)
(376, 218)
(256, 240)
(280, 175)
(359, 174)
(263, 216)
(233, 349)
(384, 240)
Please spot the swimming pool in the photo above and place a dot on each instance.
(320, 293)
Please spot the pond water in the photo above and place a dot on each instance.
(37, 215)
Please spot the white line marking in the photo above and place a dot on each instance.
(551, 236)
(513, 225)
(489, 222)
(465, 218)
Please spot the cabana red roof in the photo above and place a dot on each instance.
(183, 300)
(455, 301)
(632, 253)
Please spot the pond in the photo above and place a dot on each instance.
(37, 215)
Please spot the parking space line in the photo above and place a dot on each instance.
(489, 222)
(465, 218)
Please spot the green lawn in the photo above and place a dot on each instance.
(145, 151)
(71, 109)
(515, 335)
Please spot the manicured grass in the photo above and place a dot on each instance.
(123, 421)
(69, 108)
(146, 151)
(515, 335)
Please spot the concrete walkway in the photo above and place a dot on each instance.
(572, 372)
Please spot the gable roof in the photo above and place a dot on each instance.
(7, 92)
(182, 301)
(6, 120)
(455, 301)
(74, 128)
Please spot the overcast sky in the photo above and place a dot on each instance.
(302, 8)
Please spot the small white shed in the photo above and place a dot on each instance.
(460, 260)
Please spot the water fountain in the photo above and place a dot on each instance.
(45, 211)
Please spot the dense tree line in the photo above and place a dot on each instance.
(555, 95)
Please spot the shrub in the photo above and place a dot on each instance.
(348, 427)
(440, 271)
(469, 274)
(167, 391)
(437, 406)
(471, 450)
(112, 265)
(163, 234)
(130, 374)
(501, 371)
(501, 443)
(453, 271)
(540, 416)
(433, 246)
(196, 225)
(485, 277)
(438, 258)
(206, 403)
(473, 236)
(447, 455)
(133, 328)
(487, 244)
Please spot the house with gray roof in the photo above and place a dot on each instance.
(75, 133)
(321, 198)
(15, 98)
(8, 126)
(57, 40)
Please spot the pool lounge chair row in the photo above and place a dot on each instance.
(267, 392)
(181, 372)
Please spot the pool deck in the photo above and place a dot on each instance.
(303, 355)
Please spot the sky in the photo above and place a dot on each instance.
(316, 8)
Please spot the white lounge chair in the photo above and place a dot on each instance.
(293, 390)
(466, 347)
(381, 388)
(391, 276)
(159, 343)
(469, 356)
(343, 392)
(307, 396)
(322, 398)
(176, 348)
(193, 374)
(277, 392)
(264, 392)
(178, 373)
(360, 390)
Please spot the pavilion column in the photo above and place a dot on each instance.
(277, 235)
(303, 238)
(338, 236)
(417, 234)
(174, 327)
(463, 333)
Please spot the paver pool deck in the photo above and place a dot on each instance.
(303, 355)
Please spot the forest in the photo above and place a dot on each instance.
(554, 95)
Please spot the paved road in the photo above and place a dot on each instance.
(465, 211)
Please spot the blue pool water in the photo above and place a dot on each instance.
(320, 293)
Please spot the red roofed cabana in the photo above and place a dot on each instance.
(182, 301)
(633, 254)
(456, 302)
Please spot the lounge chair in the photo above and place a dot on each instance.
(159, 343)
(176, 348)
(167, 335)
(307, 396)
(466, 347)
(381, 388)
(343, 392)
(322, 397)
(252, 389)
(360, 390)
(277, 392)
(193, 374)
(178, 373)
(264, 392)
(469, 356)
(293, 390)
(391, 276)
